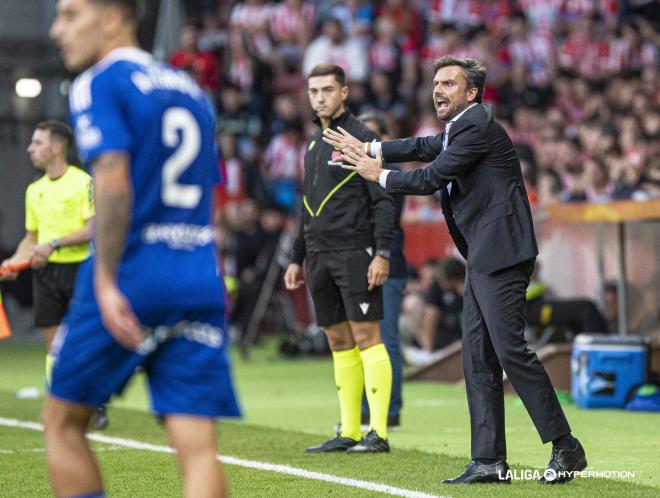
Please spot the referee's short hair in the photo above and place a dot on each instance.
(59, 130)
(329, 69)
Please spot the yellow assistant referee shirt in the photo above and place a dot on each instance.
(60, 207)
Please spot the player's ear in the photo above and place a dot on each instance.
(112, 19)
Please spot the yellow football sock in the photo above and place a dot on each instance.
(349, 379)
(49, 368)
(378, 384)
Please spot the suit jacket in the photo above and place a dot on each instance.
(487, 213)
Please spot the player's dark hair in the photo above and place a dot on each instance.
(59, 130)
(329, 69)
(376, 117)
(130, 7)
(473, 70)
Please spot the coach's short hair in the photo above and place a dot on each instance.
(329, 69)
(473, 70)
(59, 130)
(130, 7)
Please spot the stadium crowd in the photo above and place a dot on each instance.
(573, 81)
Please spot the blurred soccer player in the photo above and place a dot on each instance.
(151, 295)
(58, 224)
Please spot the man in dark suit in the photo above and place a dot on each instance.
(475, 166)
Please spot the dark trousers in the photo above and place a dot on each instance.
(493, 340)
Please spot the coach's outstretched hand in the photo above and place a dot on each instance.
(367, 167)
(293, 277)
(342, 140)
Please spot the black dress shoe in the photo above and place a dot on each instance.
(337, 443)
(371, 443)
(481, 473)
(563, 465)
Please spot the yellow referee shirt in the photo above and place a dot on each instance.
(57, 208)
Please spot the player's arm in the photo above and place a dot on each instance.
(23, 252)
(113, 198)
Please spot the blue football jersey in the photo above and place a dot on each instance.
(130, 102)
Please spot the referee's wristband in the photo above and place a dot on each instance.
(55, 244)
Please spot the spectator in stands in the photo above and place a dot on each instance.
(577, 315)
(245, 249)
(203, 65)
(250, 18)
(412, 306)
(334, 47)
(441, 324)
(283, 165)
(290, 26)
(234, 118)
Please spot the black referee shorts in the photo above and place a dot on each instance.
(337, 281)
(52, 288)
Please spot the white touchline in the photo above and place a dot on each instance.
(229, 460)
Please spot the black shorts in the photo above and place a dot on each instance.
(337, 281)
(52, 288)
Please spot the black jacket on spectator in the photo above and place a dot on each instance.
(488, 213)
(340, 210)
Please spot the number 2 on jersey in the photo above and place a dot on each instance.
(173, 193)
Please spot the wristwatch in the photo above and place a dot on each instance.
(383, 253)
(55, 244)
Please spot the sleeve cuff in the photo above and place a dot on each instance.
(382, 179)
(375, 147)
(383, 244)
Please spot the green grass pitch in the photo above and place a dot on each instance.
(290, 404)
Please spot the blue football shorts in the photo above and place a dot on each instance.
(184, 356)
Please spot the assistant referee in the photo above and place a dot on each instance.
(346, 229)
(59, 212)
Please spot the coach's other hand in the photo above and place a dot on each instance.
(293, 277)
(378, 271)
(367, 167)
(342, 140)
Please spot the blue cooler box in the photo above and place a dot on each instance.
(606, 368)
